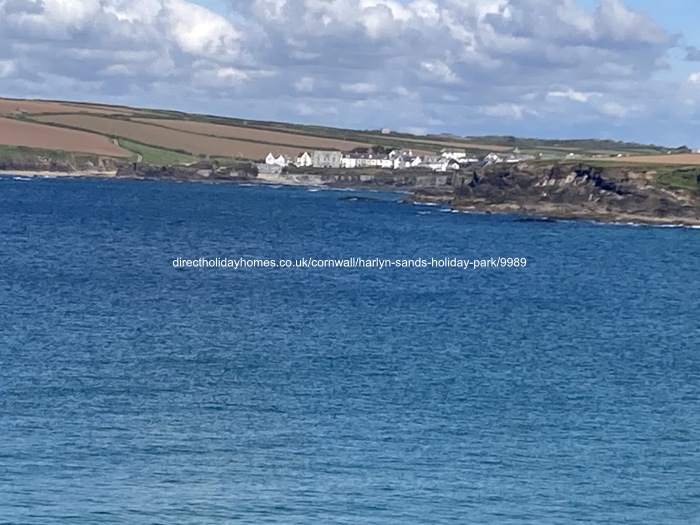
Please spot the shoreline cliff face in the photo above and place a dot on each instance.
(614, 194)
(67, 166)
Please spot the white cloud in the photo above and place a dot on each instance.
(430, 64)
(576, 96)
(515, 111)
(619, 109)
(304, 85)
(7, 68)
(359, 88)
(200, 32)
(233, 75)
(440, 71)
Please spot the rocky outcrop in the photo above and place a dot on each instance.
(564, 191)
(200, 171)
(73, 164)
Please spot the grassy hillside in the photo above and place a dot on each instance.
(173, 137)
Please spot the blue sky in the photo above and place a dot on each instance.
(621, 69)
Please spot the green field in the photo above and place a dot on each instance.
(155, 155)
(682, 178)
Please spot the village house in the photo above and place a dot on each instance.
(278, 160)
(395, 153)
(366, 160)
(406, 161)
(439, 163)
(453, 154)
(493, 158)
(326, 159)
(304, 160)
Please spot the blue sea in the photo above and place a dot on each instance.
(134, 392)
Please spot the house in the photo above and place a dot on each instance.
(439, 163)
(452, 164)
(492, 158)
(326, 159)
(304, 160)
(385, 131)
(393, 154)
(278, 160)
(349, 161)
(406, 161)
(453, 154)
(436, 162)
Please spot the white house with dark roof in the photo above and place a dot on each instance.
(278, 160)
(304, 160)
(406, 161)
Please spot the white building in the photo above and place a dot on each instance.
(278, 160)
(493, 158)
(326, 159)
(452, 154)
(348, 161)
(406, 161)
(366, 160)
(400, 153)
(304, 160)
(439, 163)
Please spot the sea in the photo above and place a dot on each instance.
(137, 390)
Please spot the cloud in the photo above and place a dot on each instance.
(467, 66)
(692, 54)
(147, 40)
(7, 68)
(570, 94)
(304, 85)
(359, 88)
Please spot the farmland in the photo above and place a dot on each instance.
(683, 158)
(172, 137)
(33, 107)
(264, 137)
(179, 141)
(33, 135)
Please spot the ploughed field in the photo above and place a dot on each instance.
(28, 134)
(263, 136)
(164, 137)
(683, 158)
(168, 138)
(33, 107)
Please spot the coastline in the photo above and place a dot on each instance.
(51, 174)
(536, 213)
(554, 214)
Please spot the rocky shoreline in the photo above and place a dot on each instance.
(556, 191)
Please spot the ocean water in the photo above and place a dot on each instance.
(133, 392)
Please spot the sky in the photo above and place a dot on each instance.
(618, 69)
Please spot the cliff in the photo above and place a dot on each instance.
(610, 194)
(69, 164)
